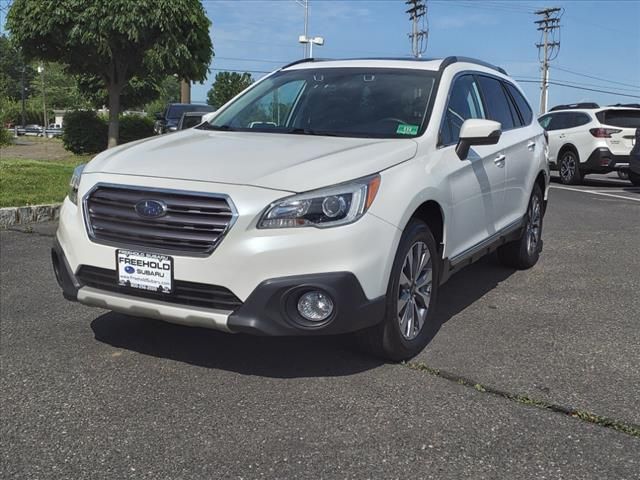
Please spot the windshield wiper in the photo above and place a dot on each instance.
(308, 131)
(208, 126)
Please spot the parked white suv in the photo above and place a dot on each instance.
(585, 138)
(329, 197)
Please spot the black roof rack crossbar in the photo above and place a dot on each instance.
(451, 60)
(572, 106)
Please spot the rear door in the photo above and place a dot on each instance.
(625, 121)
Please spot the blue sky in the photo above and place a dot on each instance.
(598, 38)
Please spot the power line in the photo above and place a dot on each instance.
(595, 78)
(636, 89)
(568, 85)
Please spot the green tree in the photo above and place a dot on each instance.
(61, 89)
(115, 40)
(226, 86)
(11, 65)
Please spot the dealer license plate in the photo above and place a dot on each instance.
(146, 271)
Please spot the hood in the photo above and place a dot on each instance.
(293, 163)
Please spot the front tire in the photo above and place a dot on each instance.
(409, 323)
(569, 168)
(524, 252)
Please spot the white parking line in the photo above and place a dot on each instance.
(593, 192)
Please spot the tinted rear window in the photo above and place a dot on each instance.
(620, 118)
(496, 102)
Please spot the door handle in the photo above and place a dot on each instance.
(499, 160)
(531, 146)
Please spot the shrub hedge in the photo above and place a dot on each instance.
(85, 132)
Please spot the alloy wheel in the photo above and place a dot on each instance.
(568, 167)
(414, 290)
(534, 224)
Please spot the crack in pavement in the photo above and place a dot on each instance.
(29, 231)
(620, 426)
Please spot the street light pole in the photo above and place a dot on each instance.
(311, 41)
(22, 92)
(44, 102)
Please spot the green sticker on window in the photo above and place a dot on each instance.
(407, 129)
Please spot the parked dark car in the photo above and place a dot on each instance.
(168, 120)
(190, 119)
(634, 161)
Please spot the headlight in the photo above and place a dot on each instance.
(75, 183)
(327, 207)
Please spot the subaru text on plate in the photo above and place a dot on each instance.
(329, 197)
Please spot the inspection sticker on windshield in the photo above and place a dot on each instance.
(144, 270)
(407, 129)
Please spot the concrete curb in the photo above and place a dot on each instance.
(30, 214)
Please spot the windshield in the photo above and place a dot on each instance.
(350, 102)
(176, 111)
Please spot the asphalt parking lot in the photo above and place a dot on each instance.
(533, 374)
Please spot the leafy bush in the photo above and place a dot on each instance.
(11, 113)
(84, 132)
(6, 137)
(135, 127)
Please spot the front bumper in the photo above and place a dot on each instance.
(266, 270)
(602, 160)
(269, 310)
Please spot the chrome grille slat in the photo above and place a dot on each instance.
(194, 223)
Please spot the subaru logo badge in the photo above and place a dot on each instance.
(151, 208)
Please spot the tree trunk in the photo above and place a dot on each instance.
(114, 112)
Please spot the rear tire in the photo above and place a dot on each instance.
(524, 252)
(634, 178)
(569, 168)
(623, 175)
(409, 323)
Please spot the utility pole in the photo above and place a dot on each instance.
(419, 27)
(185, 91)
(548, 48)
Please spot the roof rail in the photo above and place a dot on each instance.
(451, 60)
(571, 106)
(632, 105)
(303, 60)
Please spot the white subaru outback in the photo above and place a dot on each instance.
(329, 197)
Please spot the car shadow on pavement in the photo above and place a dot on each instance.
(278, 357)
(468, 286)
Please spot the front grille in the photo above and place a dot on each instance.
(184, 293)
(194, 223)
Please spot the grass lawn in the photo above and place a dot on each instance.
(33, 182)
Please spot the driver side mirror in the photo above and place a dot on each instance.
(159, 116)
(477, 131)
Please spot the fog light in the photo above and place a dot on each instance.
(315, 306)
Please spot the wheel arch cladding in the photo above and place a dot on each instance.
(430, 212)
(564, 148)
(541, 181)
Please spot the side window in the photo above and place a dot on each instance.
(464, 103)
(545, 121)
(523, 106)
(496, 102)
(560, 121)
(580, 119)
